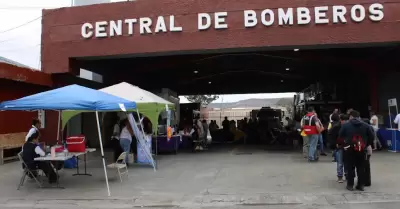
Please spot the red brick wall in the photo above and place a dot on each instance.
(61, 31)
(20, 121)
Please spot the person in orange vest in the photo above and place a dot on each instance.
(312, 128)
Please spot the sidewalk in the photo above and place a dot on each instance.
(223, 177)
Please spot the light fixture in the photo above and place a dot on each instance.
(195, 72)
(209, 82)
(281, 81)
(296, 50)
(287, 69)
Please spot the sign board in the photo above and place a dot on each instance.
(265, 17)
(42, 118)
(392, 102)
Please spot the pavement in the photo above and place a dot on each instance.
(233, 176)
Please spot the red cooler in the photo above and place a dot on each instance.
(76, 144)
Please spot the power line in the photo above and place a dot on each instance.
(24, 24)
(19, 26)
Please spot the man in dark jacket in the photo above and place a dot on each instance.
(357, 137)
(333, 135)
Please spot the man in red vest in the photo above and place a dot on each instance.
(312, 129)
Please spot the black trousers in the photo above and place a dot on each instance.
(116, 148)
(45, 167)
(367, 171)
(48, 170)
(355, 161)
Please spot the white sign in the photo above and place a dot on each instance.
(42, 118)
(340, 14)
(392, 102)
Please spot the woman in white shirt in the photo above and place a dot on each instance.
(125, 138)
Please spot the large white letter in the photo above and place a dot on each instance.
(220, 20)
(145, 24)
(354, 10)
(200, 25)
(130, 23)
(320, 15)
(376, 12)
(338, 14)
(264, 20)
(303, 16)
(250, 18)
(160, 25)
(101, 29)
(115, 28)
(87, 30)
(172, 26)
(285, 18)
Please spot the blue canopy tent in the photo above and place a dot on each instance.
(72, 97)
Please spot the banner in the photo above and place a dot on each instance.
(141, 151)
(145, 150)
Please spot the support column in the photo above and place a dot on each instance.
(373, 87)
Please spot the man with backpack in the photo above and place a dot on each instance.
(357, 137)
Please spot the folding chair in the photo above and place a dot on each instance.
(120, 164)
(26, 172)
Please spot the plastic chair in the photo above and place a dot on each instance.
(26, 172)
(120, 164)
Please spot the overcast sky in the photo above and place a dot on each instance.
(23, 43)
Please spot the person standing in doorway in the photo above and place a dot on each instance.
(375, 125)
(205, 129)
(226, 129)
(357, 137)
(125, 138)
(312, 129)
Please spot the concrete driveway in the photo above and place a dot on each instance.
(230, 176)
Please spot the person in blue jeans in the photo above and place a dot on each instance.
(125, 138)
(312, 128)
(333, 135)
(320, 138)
(313, 143)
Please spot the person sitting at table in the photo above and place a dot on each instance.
(32, 150)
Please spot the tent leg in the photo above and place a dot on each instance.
(102, 152)
(58, 127)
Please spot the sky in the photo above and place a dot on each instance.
(23, 44)
(20, 31)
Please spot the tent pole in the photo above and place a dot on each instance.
(102, 152)
(58, 127)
